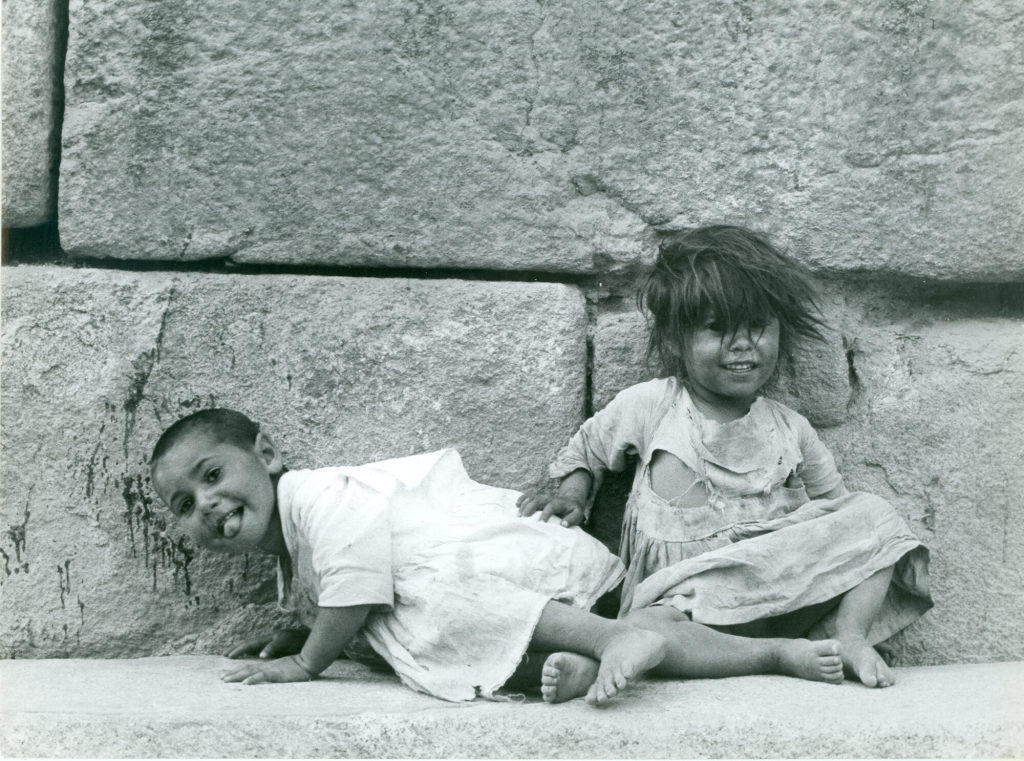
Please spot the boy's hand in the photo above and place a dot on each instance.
(570, 510)
(281, 642)
(281, 670)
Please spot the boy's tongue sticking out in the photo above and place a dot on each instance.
(231, 523)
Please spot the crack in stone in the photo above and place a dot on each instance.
(143, 366)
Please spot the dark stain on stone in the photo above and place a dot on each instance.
(180, 558)
(145, 525)
(90, 469)
(929, 508)
(64, 574)
(16, 534)
(138, 513)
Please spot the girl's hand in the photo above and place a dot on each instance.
(281, 670)
(570, 510)
(275, 645)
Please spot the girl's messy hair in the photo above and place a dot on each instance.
(734, 274)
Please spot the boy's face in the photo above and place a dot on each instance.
(221, 495)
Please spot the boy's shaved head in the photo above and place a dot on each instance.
(221, 425)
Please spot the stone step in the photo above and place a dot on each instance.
(178, 707)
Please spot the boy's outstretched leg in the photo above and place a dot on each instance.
(591, 656)
(854, 616)
(696, 651)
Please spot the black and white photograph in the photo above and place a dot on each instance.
(512, 379)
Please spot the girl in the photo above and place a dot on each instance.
(738, 535)
(437, 572)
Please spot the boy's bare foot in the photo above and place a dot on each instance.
(818, 660)
(566, 676)
(861, 661)
(626, 657)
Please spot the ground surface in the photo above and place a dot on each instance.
(177, 707)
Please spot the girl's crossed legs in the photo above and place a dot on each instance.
(699, 651)
(598, 657)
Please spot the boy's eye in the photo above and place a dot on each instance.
(212, 475)
(185, 507)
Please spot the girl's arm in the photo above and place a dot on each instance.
(836, 493)
(569, 502)
(818, 471)
(603, 443)
(332, 630)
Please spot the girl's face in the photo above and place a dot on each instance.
(222, 496)
(725, 371)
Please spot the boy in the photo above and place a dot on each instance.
(447, 583)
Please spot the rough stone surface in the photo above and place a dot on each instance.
(340, 371)
(177, 707)
(31, 54)
(515, 135)
(920, 402)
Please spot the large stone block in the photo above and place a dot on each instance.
(921, 405)
(340, 371)
(518, 135)
(32, 54)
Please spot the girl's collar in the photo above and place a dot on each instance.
(698, 406)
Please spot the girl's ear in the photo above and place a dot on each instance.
(267, 452)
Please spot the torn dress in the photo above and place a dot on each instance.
(757, 544)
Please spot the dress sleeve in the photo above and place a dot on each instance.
(619, 431)
(818, 471)
(348, 528)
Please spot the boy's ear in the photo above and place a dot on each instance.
(267, 452)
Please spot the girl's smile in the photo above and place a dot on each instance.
(726, 370)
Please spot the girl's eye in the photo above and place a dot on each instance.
(212, 475)
(185, 507)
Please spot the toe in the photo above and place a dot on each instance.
(868, 678)
(885, 677)
(619, 680)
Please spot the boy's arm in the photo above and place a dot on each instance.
(332, 630)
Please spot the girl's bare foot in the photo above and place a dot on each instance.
(819, 660)
(861, 661)
(625, 658)
(566, 676)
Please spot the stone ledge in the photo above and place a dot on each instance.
(177, 707)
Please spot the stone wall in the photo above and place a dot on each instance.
(388, 227)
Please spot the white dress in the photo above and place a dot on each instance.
(456, 579)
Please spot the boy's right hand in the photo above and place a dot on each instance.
(280, 643)
(570, 510)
